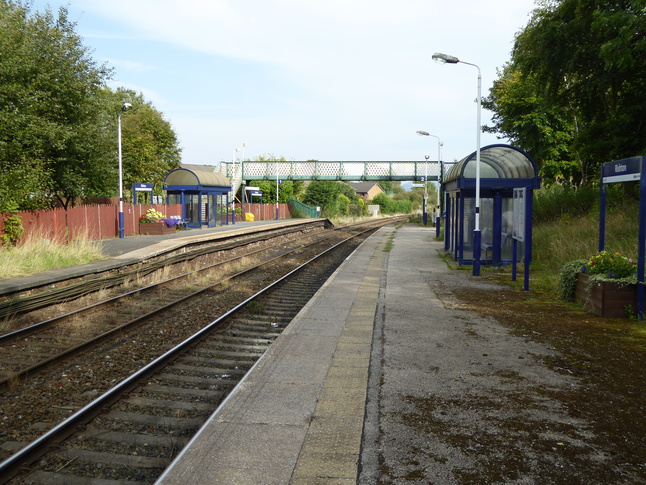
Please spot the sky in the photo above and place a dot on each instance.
(332, 80)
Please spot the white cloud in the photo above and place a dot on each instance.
(334, 79)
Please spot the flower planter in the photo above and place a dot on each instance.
(155, 228)
(605, 298)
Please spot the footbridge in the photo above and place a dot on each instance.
(340, 170)
(349, 171)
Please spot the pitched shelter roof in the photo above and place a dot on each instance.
(189, 175)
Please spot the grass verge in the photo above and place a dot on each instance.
(39, 254)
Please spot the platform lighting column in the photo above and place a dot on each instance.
(446, 59)
(233, 184)
(124, 108)
(244, 192)
(439, 158)
(277, 210)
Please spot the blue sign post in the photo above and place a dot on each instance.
(141, 187)
(627, 170)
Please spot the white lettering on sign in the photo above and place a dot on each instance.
(620, 167)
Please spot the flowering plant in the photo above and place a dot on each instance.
(610, 265)
(151, 215)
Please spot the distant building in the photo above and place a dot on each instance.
(366, 190)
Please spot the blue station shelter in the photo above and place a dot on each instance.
(204, 195)
(503, 168)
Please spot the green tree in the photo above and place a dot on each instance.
(544, 130)
(49, 116)
(150, 148)
(583, 65)
(384, 202)
(323, 193)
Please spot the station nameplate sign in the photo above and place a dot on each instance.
(626, 170)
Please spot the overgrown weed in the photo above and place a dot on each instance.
(38, 253)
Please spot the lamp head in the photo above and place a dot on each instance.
(126, 106)
(445, 58)
(423, 133)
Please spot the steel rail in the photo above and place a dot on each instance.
(23, 373)
(38, 447)
(21, 305)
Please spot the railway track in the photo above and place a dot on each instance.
(28, 350)
(134, 438)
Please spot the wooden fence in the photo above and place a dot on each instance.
(95, 222)
(91, 222)
(266, 212)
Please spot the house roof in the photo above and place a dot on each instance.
(363, 187)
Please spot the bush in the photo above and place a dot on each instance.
(13, 230)
(568, 277)
(610, 265)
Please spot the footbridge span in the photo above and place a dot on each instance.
(355, 171)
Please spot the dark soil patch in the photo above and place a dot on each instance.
(607, 355)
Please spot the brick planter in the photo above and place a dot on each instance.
(155, 228)
(606, 298)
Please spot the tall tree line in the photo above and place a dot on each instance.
(58, 118)
(573, 93)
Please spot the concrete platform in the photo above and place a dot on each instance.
(135, 249)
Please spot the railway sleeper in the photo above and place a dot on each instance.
(118, 420)
(201, 394)
(223, 338)
(239, 332)
(127, 444)
(119, 465)
(221, 381)
(53, 478)
(167, 405)
(216, 353)
(234, 345)
(254, 324)
(208, 367)
(146, 440)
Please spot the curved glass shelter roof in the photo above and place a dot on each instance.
(185, 176)
(496, 162)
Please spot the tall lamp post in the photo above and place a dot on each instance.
(439, 159)
(244, 192)
(233, 183)
(124, 108)
(277, 184)
(446, 59)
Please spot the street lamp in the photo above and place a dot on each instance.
(233, 185)
(439, 159)
(277, 184)
(124, 108)
(446, 59)
(244, 192)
